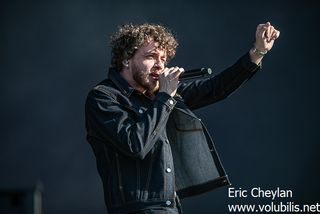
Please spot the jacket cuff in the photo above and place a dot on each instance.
(166, 99)
(248, 65)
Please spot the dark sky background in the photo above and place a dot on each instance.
(54, 52)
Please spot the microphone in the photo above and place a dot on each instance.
(195, 74)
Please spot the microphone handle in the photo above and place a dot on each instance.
(195, 74)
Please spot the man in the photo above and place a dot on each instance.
(150, 148)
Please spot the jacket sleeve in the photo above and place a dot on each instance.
(112, 122)
(200, 93)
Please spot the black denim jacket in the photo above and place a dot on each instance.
(148, 151)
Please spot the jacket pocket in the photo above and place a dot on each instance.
(184, 122)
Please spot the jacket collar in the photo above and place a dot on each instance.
(120, 82)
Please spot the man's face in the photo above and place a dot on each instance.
(146, 65)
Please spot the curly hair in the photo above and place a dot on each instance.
(130, 37)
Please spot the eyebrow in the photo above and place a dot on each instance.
(153, 52)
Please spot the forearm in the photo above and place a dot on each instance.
(204, 92)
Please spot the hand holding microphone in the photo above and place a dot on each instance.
(171, 76)
(169, 79)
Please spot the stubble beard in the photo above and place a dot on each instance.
(142, 78)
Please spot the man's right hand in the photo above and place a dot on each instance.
(169, 79)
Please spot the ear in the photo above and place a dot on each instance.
(125, 63)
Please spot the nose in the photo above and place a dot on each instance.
(159, 64)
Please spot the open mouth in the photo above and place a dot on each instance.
(154, 76)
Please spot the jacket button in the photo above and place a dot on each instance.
(140, 111)
(168, 169)
(168, 203)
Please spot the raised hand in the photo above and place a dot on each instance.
(266, 34)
